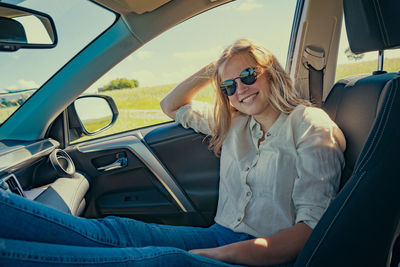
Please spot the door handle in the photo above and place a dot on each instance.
(119, 163)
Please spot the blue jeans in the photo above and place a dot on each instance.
(32, 234)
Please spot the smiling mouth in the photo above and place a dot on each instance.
(249, 98)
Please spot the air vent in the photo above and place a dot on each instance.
(13, 185)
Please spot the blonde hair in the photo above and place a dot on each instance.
(283, 96)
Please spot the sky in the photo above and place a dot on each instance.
(182, 50)
(76, 27)
(170, 57)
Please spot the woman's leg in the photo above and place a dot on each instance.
(25, 253)
(23, 219)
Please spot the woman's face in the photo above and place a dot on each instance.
(249, 99)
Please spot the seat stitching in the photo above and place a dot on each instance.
(379, 132)
(382, 29)
(393, 91)
(384, 25)
(73, 200)
(366, 154)
(334, 218)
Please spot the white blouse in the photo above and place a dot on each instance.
(291, 177)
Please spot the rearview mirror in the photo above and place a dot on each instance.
(25, 28)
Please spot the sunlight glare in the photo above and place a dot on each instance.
(262, 242)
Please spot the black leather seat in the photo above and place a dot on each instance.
(361, 225)
(353, 104)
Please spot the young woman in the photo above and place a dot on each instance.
(280, 166)
(281, 159)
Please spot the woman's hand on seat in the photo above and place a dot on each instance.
(282, 247)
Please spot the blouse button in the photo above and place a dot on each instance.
(248, 193)
(247, 169)
(268, 134)
(239, 219)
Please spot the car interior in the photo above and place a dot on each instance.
(166, 173)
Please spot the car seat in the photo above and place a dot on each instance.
(361, 225)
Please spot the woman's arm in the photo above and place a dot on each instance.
(185, 91)
(278, 248)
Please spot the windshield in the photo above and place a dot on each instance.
(23, 72)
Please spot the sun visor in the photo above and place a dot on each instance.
(372, 25)
(128, 6)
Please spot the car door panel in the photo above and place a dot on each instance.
(196, 169)
(152, 186)
(120, 191)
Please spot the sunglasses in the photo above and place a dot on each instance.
(247, 77)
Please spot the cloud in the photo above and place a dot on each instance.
(22, 84)
(27, 84)
(152, 78)
(12, 87)
(203, 55)
(249, 5)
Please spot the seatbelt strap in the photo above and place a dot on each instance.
(315, 85)
(314, 61)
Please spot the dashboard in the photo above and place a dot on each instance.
(42, 172)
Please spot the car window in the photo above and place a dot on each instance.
(138, 83)
(23, 72)
(366, 63)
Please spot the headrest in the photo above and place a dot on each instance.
(372, 24)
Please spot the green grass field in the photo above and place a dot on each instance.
(94, 125)
(6, 112)
(140, 107)
(344, 70)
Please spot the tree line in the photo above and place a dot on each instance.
(117, 84)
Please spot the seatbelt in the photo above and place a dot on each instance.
(314, 61)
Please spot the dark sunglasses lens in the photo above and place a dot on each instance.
(248, 76)
(228, 87)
